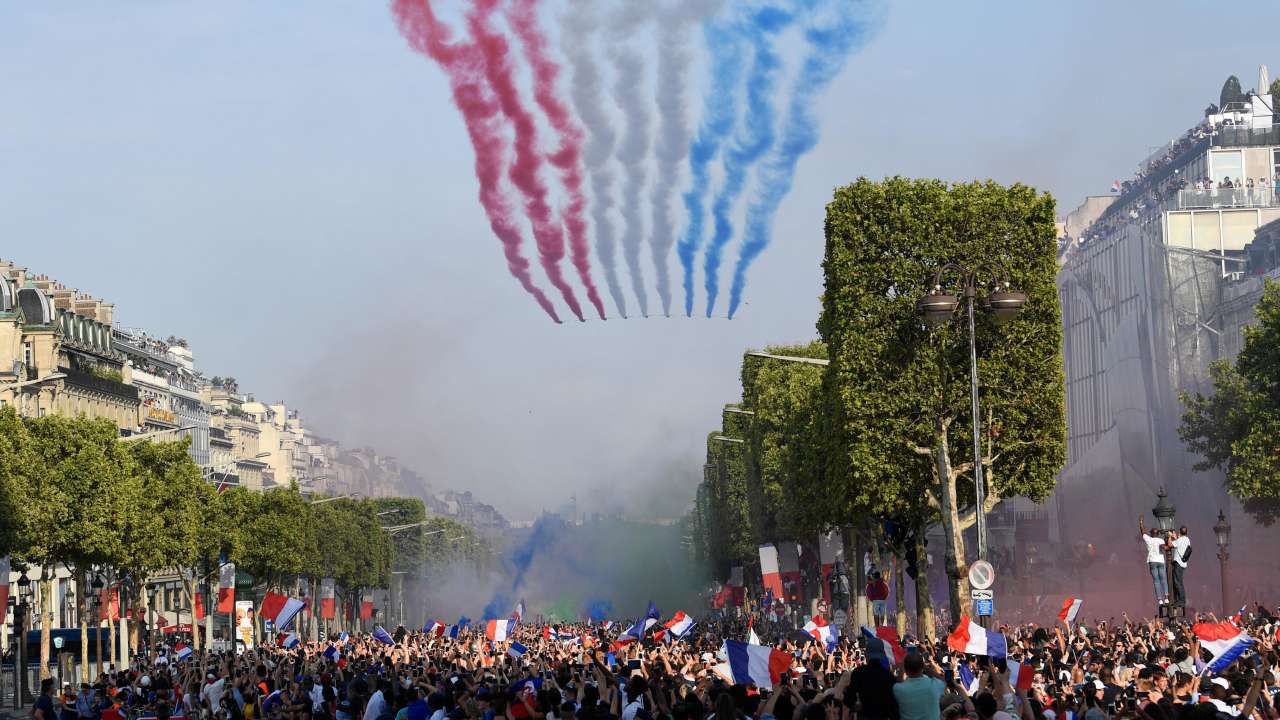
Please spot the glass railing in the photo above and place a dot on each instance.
(1226, 198)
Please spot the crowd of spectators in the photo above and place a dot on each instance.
(1152, 670)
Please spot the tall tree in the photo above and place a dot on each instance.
(1237, 428)
(1231, 92)
(898, 392)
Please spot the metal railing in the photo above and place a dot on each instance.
(1243, 136)
(1213, 198)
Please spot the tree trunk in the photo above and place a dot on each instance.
(957, 568)
(924, 602)
(111, 632)
(189, 588)
(857, 576)
(46, 616)
(899, 594)
(83, 611)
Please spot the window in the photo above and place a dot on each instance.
(1227, 164)
(28, 354)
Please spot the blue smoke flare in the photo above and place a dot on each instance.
(543, 535)
(721, 109)
(829, 47)
(755, 138)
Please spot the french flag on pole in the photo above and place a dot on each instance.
(518, 613)
(516, 650)
(434, 628)
(289, 641)
(970, 637)
(332, 653)
(381, 635)
(1225, 641)
(756, 664)
(282, 610)
(182, 652)
(498, 630)
(679, 625)
(1070, 608)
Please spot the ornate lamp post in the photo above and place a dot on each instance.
(20, 610)
(1222, 530)
(1164, 512)
(939, 307)
(97, 618)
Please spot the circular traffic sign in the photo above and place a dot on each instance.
(982, 575)
(841, 618)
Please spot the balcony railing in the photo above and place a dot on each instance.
(1243, 136)
(1217, 198)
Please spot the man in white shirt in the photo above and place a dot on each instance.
(1181, 553)
(1155, 560)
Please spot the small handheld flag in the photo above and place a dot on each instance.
(381, 635)
(1070, 608)
(970, 637)
(182, 652)
(516, 650)
(332, 653)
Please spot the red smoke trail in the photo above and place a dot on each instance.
(568, 158)
(464, 65)
(524, 173)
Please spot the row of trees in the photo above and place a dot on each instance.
(73, 494)
(872, 433)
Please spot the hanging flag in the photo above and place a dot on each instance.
(789, 570)
(499, 630)
(434, 627)
(1020, 675)
(756, 664)
(111, 603)
(288, 640)
(1224, 641)
(769, 570)
(679, 625)
(970, 637)
(280, 610)
(1070, 608)
(5, 568)
(381, 635)
(332, 653)
(752, 638)
(198, 609)
(227, 588)
(518, 613)
(327, 597)
(366, 606)
(516, 650)
(182, 652)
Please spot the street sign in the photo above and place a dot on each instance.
(57, 643)
(982, 575)
(841, 617)
(987, 594)
(986, 608)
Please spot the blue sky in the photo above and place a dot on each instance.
(288, 186)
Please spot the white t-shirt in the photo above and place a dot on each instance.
(1155, 549)
(1179, 548)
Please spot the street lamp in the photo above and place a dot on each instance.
(321, 501)
(97, 615)
(937, 308)
(1222, 529)
(17, 385)
(149, 435)
(1164, 513)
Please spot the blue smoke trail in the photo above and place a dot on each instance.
(829, 47)
(720, 110)
(755, 138)
(542, 536)
(599, 609)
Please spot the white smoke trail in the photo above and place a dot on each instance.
(629, 77)
(674, 132)
(578, 30)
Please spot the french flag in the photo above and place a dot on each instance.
(332, 653)
(326, 598)
(752, 637)
(516, 650)
(289, 641)
(679, 625)
(280, 610)
(434, 628)
(182, 652)
(882, 646)
(381, 635)
(822, 632)
(967, 679)
(1070, 608)
(227, 588)
(756, 664)
(1224, 641)
(498, 630)
(518, 613)
(970, 637)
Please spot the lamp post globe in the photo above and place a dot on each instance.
(1222, 530)
(937, 307)
(1005, 305)
(1164, 511)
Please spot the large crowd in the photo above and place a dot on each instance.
(1154, 670)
